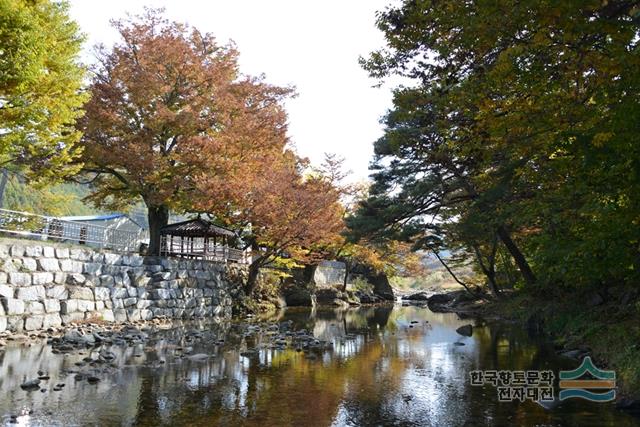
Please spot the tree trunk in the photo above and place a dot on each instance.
(308, 274)
(3, 184)
(252, 279)
(453, 275)
(493, 284)
(347, 270)
(158, 218)
(518, 257)
(490, 270)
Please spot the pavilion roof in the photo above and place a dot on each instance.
(196, 228)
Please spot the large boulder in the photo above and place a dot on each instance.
(418, 296)
(440, 302)
(299, 298)
(381, 286)
(366, 298)
(329, 273)
(327, 295)
(466, 330)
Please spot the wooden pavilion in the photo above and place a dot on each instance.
(199, 239)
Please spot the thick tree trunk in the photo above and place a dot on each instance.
(518, 257)
(3, 184)
(158, 218)
(347, 270)
(252, 279)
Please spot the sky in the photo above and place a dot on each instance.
(311, 45)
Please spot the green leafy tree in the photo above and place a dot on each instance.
(524, 133)
(40, 87)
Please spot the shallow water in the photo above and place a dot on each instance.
(381, 370)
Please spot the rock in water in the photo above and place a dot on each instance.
(441, 302)
(31, 385)
(549, 405)
(93, 380)
(466, 330)
(73, 335)
(418, 296)
(199, 356)
(300, 298)
(381, 286)
(573, 354)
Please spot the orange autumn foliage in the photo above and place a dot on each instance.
(286, 213)
(170, 108)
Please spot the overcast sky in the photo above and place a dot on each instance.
(312, 45)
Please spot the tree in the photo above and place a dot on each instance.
(169, 109)
(424, 192)
(377, 258)
(519, 133)
(40, 87)
(284, 213)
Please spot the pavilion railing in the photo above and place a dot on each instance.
(196, 248)
(25, 224)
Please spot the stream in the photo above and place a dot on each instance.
(383, 365)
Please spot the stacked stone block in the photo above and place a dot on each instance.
(44, 287)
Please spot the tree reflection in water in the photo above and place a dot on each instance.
(382, 370)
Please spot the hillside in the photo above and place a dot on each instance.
(60, 200)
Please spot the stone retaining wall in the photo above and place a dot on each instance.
(44, 286)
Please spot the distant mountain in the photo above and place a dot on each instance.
(64, 200)
(60, 200)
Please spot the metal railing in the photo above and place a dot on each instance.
(45, 227)
(196, 248)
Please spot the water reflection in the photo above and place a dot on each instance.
(385, 366)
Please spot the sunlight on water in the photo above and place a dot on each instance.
(371, 366)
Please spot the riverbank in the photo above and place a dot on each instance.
(605, 328)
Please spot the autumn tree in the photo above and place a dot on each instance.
(378, 258)
(40, 87)
(284, 213)
(170, 109)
